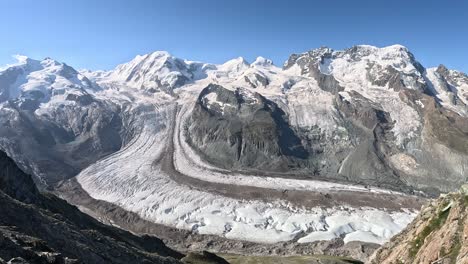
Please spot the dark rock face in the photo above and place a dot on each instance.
(84, 99)
(309, 64)
(63, 141)
(41, 228)
(326, 82)
(392, 78)
(240, 129)
(257, 79)
(448, 81)
(15, 183)
(441, 151)
(305, 59)
(369, 129)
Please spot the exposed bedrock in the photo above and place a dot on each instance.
(369, 129)
(438, 160)
(241, 129)
(309, 65)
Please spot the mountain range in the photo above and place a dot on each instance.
(333, 146)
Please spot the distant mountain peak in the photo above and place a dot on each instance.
(31, 82)
(236, 61)
(261, 61)
(21, 58)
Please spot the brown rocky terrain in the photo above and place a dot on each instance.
(439, 235)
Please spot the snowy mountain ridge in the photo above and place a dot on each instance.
(33, 82)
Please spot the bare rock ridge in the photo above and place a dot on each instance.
(41, 228)
(439, 234)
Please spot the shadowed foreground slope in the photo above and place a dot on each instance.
(41, 228)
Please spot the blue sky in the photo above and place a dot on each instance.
(101, 34)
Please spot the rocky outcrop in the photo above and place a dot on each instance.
(241, 130)
(310, 62)
(438, 235)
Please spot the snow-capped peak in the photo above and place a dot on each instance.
(396, 48)
(144, 62)
(28, 64)
(234, 67)
(21, 59)
(153, 71)
(34, 82)
(261, 61)
(395, 55)
(235, 63)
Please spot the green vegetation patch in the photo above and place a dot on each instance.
(203, 258)
(457, 245)
(319, 259)
(434, 224)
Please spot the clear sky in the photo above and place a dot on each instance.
(101, 34)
